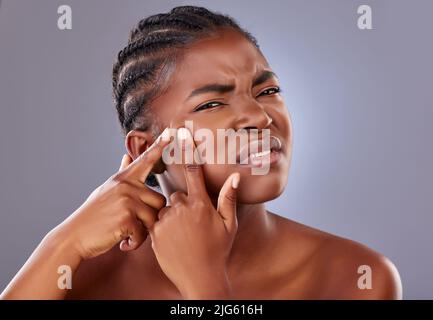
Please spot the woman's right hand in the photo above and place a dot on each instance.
(120, 210)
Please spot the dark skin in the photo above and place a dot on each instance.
(255, 254)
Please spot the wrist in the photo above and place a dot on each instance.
(61, 243)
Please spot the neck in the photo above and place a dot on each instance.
(251, 216)
(254, 229)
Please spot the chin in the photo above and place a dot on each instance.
(253, 189)
(259, 189)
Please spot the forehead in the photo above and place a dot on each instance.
(225, 57)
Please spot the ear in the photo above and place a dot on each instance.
(137, 142)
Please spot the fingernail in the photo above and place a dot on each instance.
(183, 134)
(235, 180)
(165, 135)
(158, 140)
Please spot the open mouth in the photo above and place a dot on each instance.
(258, 153)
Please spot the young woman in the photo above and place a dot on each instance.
(213, 238)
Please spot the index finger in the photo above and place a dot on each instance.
(143, 164)
(126, 161)
(192, 168)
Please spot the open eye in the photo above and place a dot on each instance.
(270, 91)
(208, 105)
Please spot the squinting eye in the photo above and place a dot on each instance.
(209, 105)
(270, 91)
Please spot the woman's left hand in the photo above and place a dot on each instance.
(192, 240)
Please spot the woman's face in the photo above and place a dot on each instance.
(232, 61)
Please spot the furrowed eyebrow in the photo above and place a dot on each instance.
(224, 88)
(263, 77)
(213, 87)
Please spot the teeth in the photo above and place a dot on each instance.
(260, 154)
(275, 143)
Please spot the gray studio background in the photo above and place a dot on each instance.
(361, 103)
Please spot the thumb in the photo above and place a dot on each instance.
(227, 201)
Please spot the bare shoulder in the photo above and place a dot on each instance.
(358, 272)
(343, 268)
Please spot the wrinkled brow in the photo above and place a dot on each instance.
(224, 88)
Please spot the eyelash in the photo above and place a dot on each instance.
(204, 106)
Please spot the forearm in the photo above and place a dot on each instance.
(38, 278)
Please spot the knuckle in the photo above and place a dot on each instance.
(125, 201)
(148, 156)
(144, 156)
(121, 187)
(125, 218)
(176, 197)
(199, 205)
(192, 167)
(230, 197)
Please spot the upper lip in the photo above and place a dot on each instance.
(257, 146)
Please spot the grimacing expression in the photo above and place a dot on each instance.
(230, 60)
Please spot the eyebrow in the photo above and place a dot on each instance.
(224, 88)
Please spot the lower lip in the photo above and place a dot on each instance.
(273, 158)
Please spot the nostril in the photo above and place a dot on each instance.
(251, 128)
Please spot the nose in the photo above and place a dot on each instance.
(252, 116)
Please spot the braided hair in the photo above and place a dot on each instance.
(144, 66)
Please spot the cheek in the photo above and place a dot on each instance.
(215, 176)
(176, 177)
(282, 120)
(288, 130)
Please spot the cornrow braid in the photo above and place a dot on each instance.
(144, 46)
(179, 21)
(143, 68)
